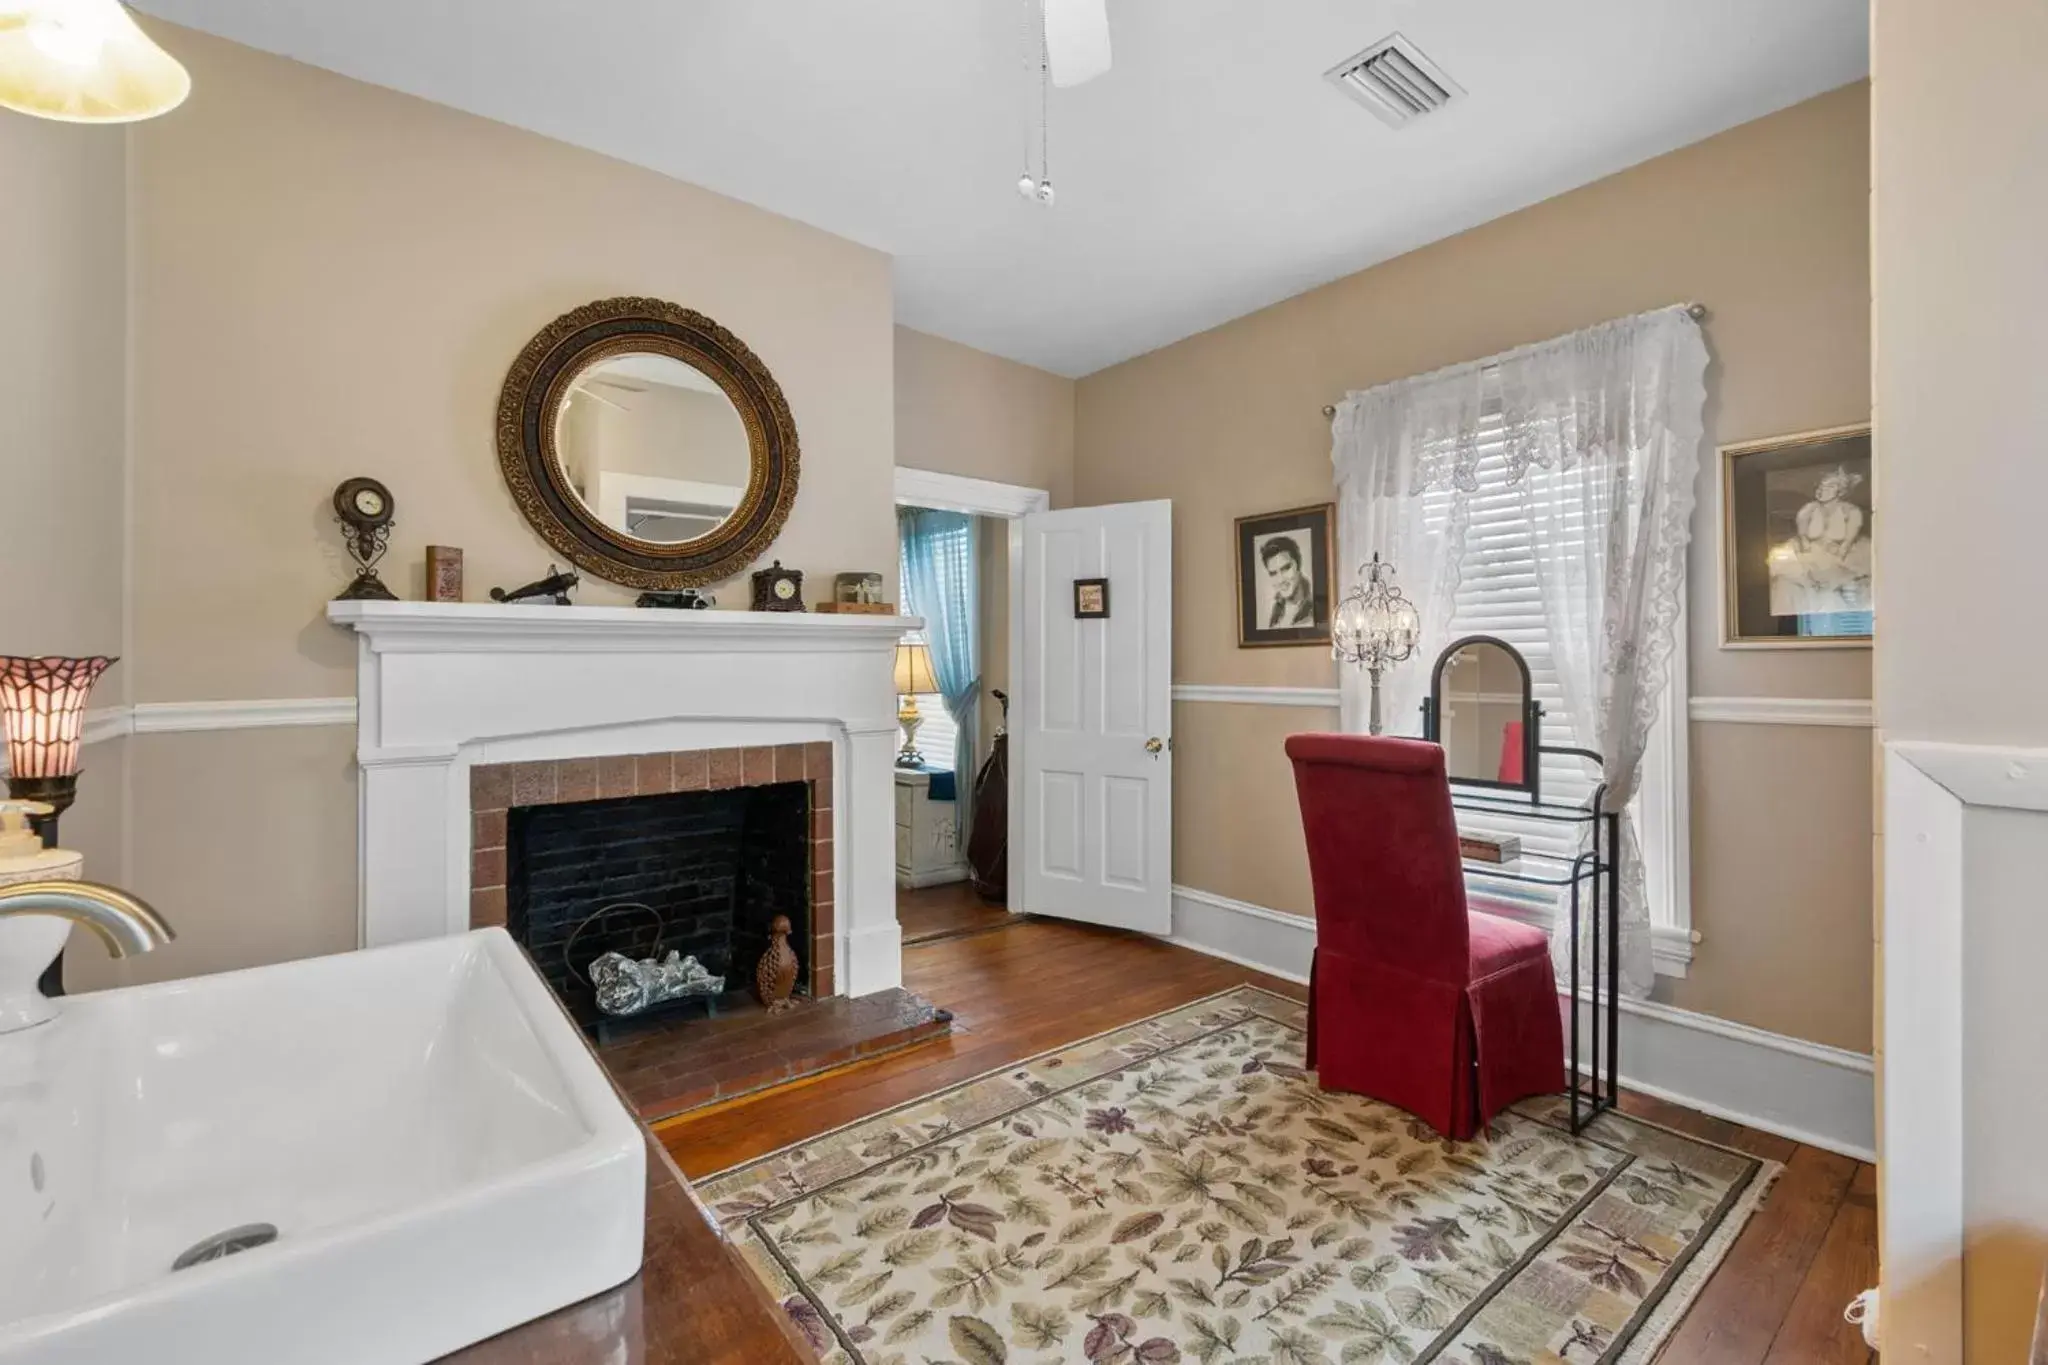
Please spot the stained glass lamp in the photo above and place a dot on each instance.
(42, 705)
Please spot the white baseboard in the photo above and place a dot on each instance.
(906, 880)
(1810, 1093)
(1250, 935)
(1822, 1096)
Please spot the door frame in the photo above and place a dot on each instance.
(1010, 502)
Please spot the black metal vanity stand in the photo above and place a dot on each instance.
(1590, 883)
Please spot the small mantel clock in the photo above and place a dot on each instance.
(778, 589)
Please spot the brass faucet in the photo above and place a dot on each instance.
(126, 924)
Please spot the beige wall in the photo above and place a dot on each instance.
(963, 411)
(1960, 136)
(1766, 225)
(63, 392)
(246, 840)
(329, 279)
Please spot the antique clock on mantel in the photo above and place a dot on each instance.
(778, 589)
(364, 509)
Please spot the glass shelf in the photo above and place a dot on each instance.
(1538, 869)
(1480, 802)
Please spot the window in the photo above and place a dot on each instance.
(1497, 596)
(953, 551)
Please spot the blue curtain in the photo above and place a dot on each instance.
(939, 559)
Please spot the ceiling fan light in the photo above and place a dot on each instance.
(84, 61)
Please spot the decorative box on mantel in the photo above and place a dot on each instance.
(444, 688)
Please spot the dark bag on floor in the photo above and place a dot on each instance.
(988, 845)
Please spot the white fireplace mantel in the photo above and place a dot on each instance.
(443, 687)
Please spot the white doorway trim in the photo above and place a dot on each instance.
(1929, 788)
(958, 493)
(986, 498)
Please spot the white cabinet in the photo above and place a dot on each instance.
(928, 847)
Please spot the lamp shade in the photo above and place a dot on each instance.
(914, 669)
(84, 61)
(42, 706)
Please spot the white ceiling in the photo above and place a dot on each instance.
(1211, 172)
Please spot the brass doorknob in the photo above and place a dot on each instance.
(1154, 745)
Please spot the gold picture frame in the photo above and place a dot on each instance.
(1772, 492)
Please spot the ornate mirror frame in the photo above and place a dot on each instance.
(530, 406)
(1532, 716)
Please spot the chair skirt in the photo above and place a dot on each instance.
(1452, 1056)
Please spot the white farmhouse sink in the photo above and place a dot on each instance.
(440, 1155)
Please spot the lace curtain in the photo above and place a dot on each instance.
(940, 564)
(1602, 431)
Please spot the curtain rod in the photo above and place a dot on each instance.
(1696, 311)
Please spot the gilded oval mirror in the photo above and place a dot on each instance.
(647, 444)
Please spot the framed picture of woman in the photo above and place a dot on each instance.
(1796, 539)
(1285, 570)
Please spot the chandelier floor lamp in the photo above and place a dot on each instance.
(1375, 627)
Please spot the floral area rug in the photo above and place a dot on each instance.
(1180, 1190)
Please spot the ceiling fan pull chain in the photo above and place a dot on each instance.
(1044, 113)
(1027, 183)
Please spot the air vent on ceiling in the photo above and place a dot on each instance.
(1395, 81)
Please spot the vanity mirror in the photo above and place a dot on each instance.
(647, 444)
(1481, 710)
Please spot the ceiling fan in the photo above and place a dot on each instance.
(1076, 40)
(1067, 45)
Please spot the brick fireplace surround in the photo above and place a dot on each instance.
(496, 788)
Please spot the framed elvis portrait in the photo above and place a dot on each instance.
(1796, 539)
(1286, 567)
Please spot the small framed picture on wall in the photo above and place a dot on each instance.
(1796, 539)
(1286, 566)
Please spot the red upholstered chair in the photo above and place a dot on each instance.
(1446, 1012)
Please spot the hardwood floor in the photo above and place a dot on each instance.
(1037, 984)
(946, 911)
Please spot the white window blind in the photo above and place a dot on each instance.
(1497, 595)
(936, 735)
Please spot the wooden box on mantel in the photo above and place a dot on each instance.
(856, 608)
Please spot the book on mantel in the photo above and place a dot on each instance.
(1489, 848)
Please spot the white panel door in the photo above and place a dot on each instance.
(1093, 754)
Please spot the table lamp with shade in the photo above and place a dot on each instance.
(913, 676)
